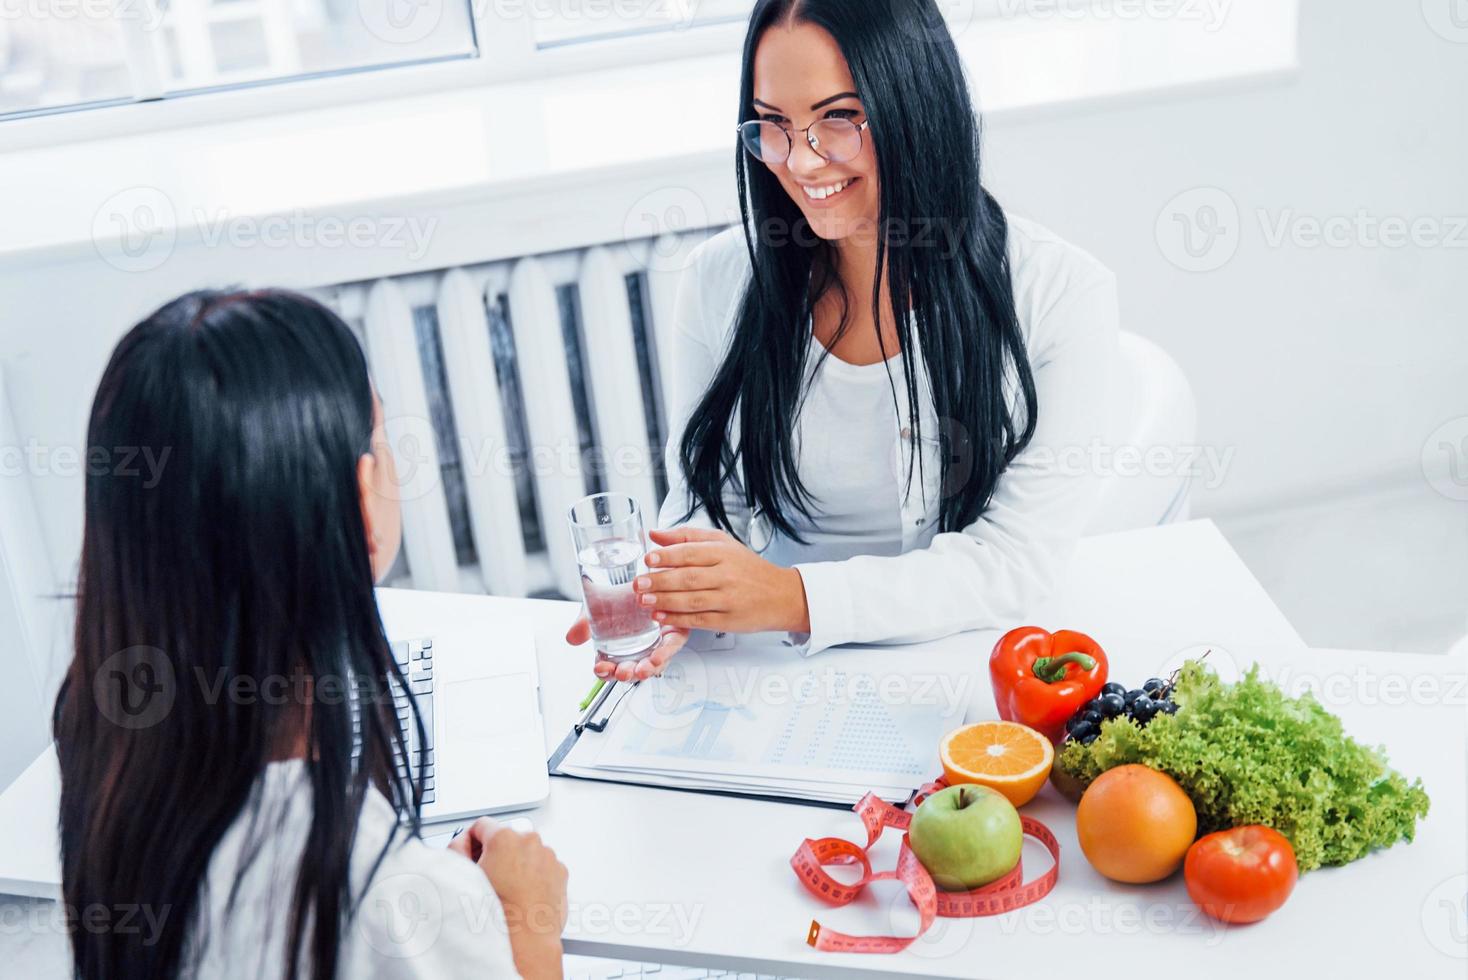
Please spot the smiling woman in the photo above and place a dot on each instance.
(876, 375)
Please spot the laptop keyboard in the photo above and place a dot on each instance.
(591, 968)
(415, 658)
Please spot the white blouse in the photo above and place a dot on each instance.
(427, 912)
(989, 574)
(843, 449)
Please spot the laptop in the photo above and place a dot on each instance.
(470, 664)
(471, 661)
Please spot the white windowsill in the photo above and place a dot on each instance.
(502, 143)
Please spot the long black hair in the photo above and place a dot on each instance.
(951, 286)
(209, 598)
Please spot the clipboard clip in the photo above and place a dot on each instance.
(587, 724)
(596, 718)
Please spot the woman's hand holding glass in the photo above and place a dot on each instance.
(705, 579)
(648, 665)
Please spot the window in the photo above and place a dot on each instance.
(65, 53)
(48, 60)
(562, 22)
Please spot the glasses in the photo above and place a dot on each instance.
(833, 140)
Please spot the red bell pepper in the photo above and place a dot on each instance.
(1041, 679)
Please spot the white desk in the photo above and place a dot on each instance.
(703, 881)
(719, 869)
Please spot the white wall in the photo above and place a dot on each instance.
(1318, 366)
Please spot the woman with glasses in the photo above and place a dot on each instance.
(883, 383)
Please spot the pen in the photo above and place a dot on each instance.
(591, 695)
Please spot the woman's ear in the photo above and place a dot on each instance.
(366, 498)
(377, 487)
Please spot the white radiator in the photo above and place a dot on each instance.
(512, 389)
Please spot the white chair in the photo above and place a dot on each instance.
(1146, 478)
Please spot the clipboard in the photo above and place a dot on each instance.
(598, 716)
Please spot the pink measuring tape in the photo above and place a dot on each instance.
(1004, 895)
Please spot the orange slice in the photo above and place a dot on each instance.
(1003, 755)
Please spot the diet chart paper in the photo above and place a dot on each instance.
(761, 719)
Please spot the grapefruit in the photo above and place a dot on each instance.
(1135, 824)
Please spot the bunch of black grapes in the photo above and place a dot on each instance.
(1141, 706)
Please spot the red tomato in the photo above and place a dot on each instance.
(1241, 875)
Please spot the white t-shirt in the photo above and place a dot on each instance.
(844, 452)
(428, 912)
(987, 575)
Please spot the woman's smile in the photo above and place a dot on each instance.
(828, 194)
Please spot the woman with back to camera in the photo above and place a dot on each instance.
(876, 301)
(231, 765)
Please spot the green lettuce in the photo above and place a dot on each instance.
(1247, 753)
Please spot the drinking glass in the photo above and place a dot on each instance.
(607, 531)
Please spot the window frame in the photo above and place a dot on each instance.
(507, 52)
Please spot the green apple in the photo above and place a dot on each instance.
(966, 836)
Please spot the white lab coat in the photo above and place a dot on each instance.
(989, 574)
